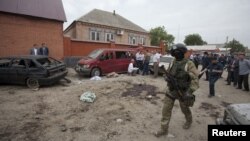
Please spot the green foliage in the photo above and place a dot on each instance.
(158, 34)
(235, 46)
(194, 39)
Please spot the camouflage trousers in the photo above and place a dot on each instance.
(167, 111)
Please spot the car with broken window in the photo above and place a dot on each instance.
(103, 61)
(34, 71)
(235, 114)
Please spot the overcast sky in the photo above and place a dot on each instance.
(214, 20)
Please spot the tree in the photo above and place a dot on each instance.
(235, 46)
(194, 39)
(158, 34)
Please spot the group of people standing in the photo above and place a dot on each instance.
(237, 66)
(141, 62)
(39, 50)
(238, 71)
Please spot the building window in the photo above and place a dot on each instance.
(109, 37)
(142, 40)
(132, 40)
(95, 36)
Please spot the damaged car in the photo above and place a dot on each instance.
(235, 114)
(34, 71)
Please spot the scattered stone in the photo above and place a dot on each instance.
(149, 97)
(119, 120)
(111, 134)
(63, 128)
(153, 102)
(170, 136)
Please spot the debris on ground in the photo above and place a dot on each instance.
(112, 75)
(119, 120)
(96, 78)
(137, 89)
(88, 97)
(63, 128)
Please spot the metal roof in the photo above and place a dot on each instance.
(49, 9)
(206, 47)
(101, 17)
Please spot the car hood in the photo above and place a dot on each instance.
(86, 60)
(240, 112)
(165, 64)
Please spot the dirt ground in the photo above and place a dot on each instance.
(121, 111)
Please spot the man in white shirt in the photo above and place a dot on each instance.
(34, 50)
(156, 60)
(131, 69)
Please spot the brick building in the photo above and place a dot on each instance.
(103, 26)
(26, 22)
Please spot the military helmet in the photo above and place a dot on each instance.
(178, 48)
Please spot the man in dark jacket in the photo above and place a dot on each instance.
(214, 71)
(205, 63)
(44, 50)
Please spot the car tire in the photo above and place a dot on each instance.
(33, 83)
(95, 72)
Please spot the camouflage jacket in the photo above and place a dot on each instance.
(184, 67)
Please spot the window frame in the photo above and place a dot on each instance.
(143, 40)
(132, 40)
(95, 35)
(109, 37)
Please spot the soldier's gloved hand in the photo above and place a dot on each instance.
(188, 99)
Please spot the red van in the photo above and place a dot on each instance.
(104, 61)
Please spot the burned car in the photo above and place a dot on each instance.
(33, 71)
(235, 114)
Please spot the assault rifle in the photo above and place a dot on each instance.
(171, 80)
(187, 98)
(201, 73)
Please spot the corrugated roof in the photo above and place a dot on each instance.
(101, 17)
(49, 9)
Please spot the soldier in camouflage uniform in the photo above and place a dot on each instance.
(186, 75)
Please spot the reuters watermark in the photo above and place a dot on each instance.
(220, 132)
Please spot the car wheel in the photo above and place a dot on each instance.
(95, 72)
(32, 83)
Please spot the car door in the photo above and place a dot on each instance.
(107, 62)
(18, 71)
(4, 70)
(122, 60)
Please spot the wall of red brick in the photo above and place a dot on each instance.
(83, 48)
(19, 33)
